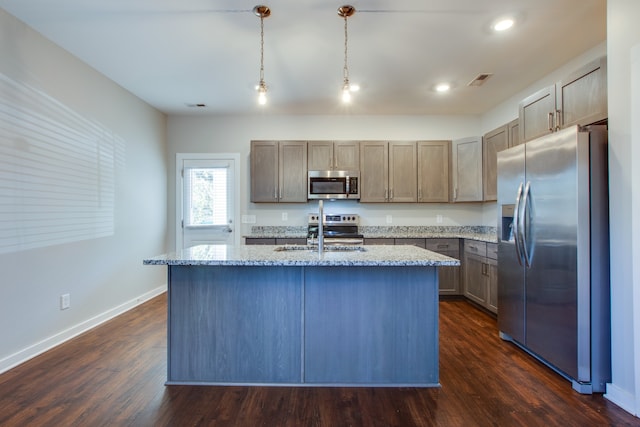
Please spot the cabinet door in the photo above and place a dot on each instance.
(536, 114)
(514, 132)
(374, 171)
(467, 169)
(293, 171)
(449, 277)
(475, 284)
(433, 171)
(403, 172)
(492, 279)
(582, 96)
(346, 155)
(264, 171)
(494, 141)
(320, 155)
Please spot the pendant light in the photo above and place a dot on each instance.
(262, 12)
(345, 12)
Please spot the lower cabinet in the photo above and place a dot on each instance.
(448, 277)
(481, 273)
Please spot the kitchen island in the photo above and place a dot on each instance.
(289, 316)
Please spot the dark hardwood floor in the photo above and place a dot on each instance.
(114, 376)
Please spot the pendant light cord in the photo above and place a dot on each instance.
(345, 70)
(261, 49)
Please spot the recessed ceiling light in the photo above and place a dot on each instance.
(443, 87)
(503, 24)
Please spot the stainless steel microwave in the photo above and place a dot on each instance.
(334, 185)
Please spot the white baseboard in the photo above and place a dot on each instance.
(622, 398)
(38, 348)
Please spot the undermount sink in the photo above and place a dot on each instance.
(327, 248)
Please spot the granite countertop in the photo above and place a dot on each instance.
(268, 255)
(481, 233)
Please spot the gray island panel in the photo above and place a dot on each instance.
(234, 325)
(371, 326)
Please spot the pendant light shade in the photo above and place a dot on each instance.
(262, 12)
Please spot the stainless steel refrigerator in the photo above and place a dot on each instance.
(553, 253)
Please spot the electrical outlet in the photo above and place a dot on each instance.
(65, 301)
(285, 216)
(389, 219)
(439, 219)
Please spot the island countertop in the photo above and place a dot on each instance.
(274, 255)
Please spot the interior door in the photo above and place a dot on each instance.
(207, 202)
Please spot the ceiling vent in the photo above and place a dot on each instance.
(480, 79)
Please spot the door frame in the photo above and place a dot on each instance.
(180, 158)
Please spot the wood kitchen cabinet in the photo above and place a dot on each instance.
(278, 171)
(513, 127)
(434, 158)
(493, 142)
(333, 155)
(466, 159)
(480, 274)
(448, 276)
(388, 172)
(580, 98)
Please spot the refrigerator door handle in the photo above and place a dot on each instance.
(516, 224)
(522, 227)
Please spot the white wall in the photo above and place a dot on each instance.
(103, 275)
(623, 35)
(190, 134)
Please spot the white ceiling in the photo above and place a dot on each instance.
(172, 53)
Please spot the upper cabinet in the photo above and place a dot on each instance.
(494, 141)
(513, 127)
(580, 98)
(466, 160)
(388, 172)
(433, 171)
(338, 155)
(278, 171)
(403, 172)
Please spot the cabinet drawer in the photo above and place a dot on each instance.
(492, 250)
(410, 241)
(442, 245)
(259, 241)
(379, 241)
(475, 247)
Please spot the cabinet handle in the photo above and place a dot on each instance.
(443, 246)
(455, 193)
(386, 194)
(550, 122)
(558, 120)
(280, 193)
(419, 194)
(275, 193)
(391, 194)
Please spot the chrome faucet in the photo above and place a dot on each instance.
(320, 227)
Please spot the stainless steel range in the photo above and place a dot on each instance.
(338, 229)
